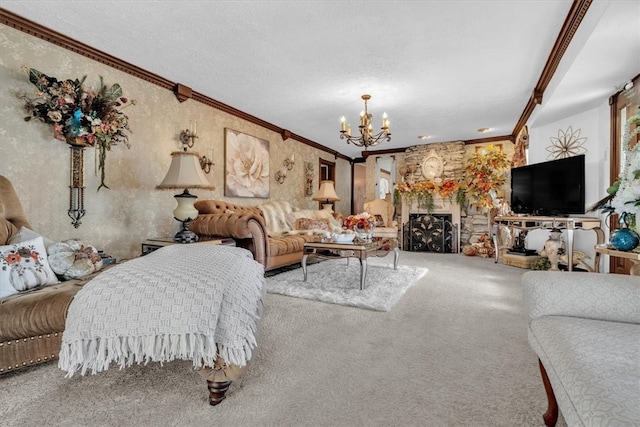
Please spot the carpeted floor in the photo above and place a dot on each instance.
(452, 352)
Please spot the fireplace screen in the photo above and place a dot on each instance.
(430, 233)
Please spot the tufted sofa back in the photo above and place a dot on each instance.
(218, 206)
(12, 216)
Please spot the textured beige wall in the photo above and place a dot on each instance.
(119, 219)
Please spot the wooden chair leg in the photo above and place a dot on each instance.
(217, 391)
(551, 416)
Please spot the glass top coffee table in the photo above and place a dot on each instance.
(378, 247)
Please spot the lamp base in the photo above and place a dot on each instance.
(185, 235)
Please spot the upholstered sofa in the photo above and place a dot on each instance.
(585, 330)
(31, 324)
(268, 230)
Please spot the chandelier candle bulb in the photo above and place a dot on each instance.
(343, 124)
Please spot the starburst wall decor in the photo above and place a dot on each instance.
(567, 144)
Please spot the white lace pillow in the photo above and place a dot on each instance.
(72, 259)
(24, 266)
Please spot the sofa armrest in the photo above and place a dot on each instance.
(613, 297)
(247, 228)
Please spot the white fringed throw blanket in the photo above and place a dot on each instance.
(192, 301)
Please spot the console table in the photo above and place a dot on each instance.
(570, 224)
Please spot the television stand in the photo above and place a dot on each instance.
(568, 223)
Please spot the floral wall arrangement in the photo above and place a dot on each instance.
(80, 115)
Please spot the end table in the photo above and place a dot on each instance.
(151, 245)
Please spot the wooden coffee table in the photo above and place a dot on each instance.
(378, 247)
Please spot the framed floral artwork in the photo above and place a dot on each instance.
(246, 165)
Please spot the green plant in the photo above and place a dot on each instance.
(541, 264)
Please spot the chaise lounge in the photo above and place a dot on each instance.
(585, 330)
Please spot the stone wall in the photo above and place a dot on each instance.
(452, 153)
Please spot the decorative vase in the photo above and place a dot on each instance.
(624, 238)
(76, 186)
(364, 232)
(554, 248)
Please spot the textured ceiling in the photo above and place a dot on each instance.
(441, 68)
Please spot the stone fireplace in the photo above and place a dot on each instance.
(438, 229)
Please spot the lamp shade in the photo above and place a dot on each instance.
(326, 193)
(185, 172)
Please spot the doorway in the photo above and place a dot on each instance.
(385, 181)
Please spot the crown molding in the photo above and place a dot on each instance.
(569, 27)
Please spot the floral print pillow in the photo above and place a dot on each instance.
(24, 266)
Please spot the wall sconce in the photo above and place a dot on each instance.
(288, 165)
(207, 161)
(188, 136)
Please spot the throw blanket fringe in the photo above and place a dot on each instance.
(128, 316)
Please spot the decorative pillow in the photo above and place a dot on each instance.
(328, 215)
(27, 234)
(293, 217)
(311, 224)
(24, 266)
(72, 259)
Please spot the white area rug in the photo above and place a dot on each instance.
(334, 281)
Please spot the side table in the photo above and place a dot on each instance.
(151, 245)
(632, 255)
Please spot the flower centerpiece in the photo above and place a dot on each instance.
(361, 223)
(485, 175)
(80, 116)
(424, 191)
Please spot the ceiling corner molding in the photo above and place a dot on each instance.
(489, 140)
(182, 92)
(368, 153)
(569, 27)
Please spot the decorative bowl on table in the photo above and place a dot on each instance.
(343, 237)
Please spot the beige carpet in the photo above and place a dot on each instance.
(452, 352)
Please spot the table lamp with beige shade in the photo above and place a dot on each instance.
(185, 173)
(326, 194)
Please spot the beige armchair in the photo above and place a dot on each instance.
(386, 210)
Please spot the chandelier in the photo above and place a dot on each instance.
(366, 138)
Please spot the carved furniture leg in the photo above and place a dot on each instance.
(551, 416)
(217, 391)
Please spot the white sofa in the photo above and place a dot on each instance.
(585, 329)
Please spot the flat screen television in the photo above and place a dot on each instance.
(554, 188)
